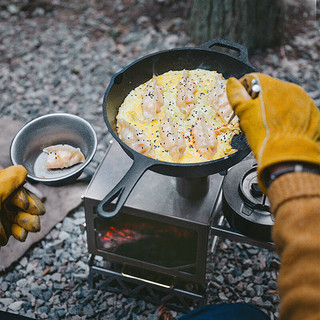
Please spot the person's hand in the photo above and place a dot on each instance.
(19, 208)
(282, 124)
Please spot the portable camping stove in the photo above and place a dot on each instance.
(156, 248)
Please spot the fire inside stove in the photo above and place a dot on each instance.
(116, 237)
(147, 240)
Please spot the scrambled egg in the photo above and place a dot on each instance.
(205, 80)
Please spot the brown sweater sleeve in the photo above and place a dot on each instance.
(295, 203)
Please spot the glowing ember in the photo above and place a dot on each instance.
(115, 237)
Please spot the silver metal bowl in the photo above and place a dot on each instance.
(58, 128)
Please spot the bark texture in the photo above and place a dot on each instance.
(257, 24)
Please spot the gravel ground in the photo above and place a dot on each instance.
(59, 57)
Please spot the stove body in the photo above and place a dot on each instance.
(158, 229)
(157, 246)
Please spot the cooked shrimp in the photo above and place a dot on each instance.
(152, 100)
(135, 138)
(62, 156)
(186, 98)
(205, 138)
(219, 100)
(171, 139)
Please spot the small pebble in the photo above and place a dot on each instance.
(16, 306)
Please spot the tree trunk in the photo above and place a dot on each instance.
(257, 24)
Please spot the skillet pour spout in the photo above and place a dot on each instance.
(208, 56)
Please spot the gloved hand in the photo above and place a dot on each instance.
(19, 208)
(282, 124)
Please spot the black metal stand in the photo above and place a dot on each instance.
(150, 291)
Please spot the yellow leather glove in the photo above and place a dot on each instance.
(11, 179)
(19, 208)
(282, 124)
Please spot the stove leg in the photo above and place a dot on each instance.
(91, 275)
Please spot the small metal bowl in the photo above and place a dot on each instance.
(58, 128)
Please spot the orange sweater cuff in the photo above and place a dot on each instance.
(292, 186)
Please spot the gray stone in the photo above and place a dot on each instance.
(82, 265)
(13, 9)
(247, 263)
(39, 253)
(222, 296)
(10, 278)
(6, 301)
(247, 273)
(80, 214)
(79, 221)
(67, 223)
(34, 285)
(61, 313)
(253, 251)
(56, 277)
(88, 311)
(40, 302)
(256, 266)
(272, 285)
(258, 279)
(267, 305)
(64, 235)
(111, 301)
(16, 295)
(16, 306)
(103, 306)
(23, 262)
(257, 301)
(30, 267)
(47, 260)
(47, 295)
(75, 310)
(4, 286)
(57, 286)
(52, 315)
(43, 309)
(251, 292)
(58, 252)
(258, 290)
(58, 225)
(24, 291)
(240, 286)
(42, 287)
(22, 283)
(36, 292)
(80, 275)
(30, 314)
(219, 279)
(230, 279)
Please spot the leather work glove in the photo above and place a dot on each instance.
(19, 208)
(282, 124)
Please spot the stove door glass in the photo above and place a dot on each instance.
(147, 240)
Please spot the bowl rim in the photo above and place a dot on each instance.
(74, 174)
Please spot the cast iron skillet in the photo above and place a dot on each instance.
(234, 64)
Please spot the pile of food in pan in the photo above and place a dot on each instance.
(179, 116)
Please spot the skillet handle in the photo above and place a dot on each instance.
(242, 50)
(122, 190)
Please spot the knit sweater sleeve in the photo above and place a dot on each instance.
(295, 203)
